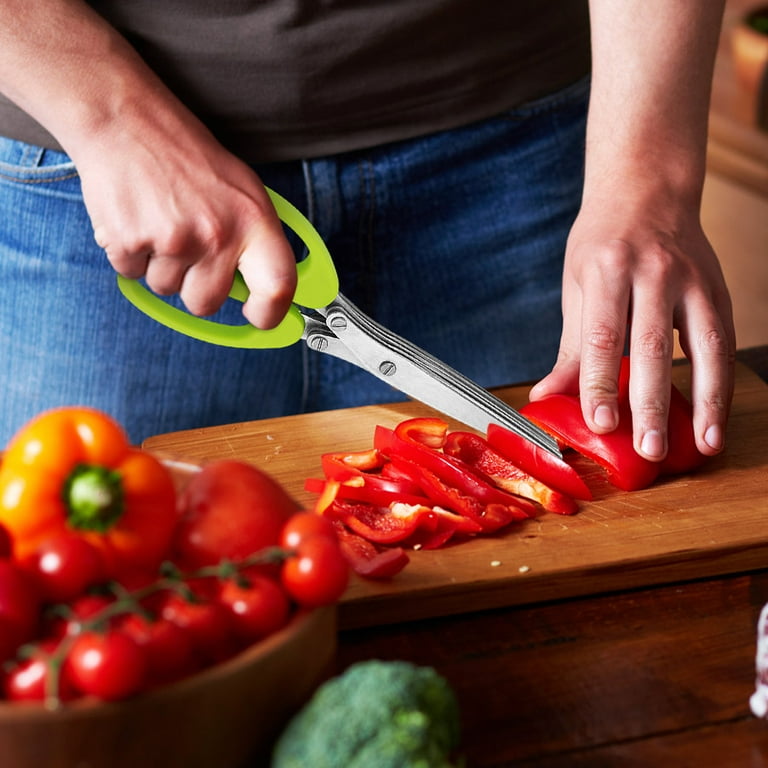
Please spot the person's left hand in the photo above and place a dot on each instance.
(638, 266)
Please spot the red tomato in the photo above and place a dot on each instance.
(64, 566)
(207, 622)
(258, 607)
(28, 680)
(230, 509)
(78, 611)
(6, 543)
(109, 665)
(19, 603)
(303, 526)
(168, 648)
(318, 574)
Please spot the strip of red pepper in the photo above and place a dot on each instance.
(478, 517)
(477, 453)
(385, 506)
(391, 521)
(561, 416)
(414, 448)
(368, 560)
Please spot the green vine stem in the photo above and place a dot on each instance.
(126, 601)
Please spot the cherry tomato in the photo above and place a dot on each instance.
(168, 648)
(70, 620)
(19, 603)
(207, 622)
(6, 542)
(258, 606)
(303, 526)
(317, 574)
(108, 665)
(230, 509)
(27, 680)
(64, 566)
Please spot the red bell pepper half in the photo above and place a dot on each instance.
(478, 454)
(614, 451)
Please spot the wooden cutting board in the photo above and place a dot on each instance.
(709, 523)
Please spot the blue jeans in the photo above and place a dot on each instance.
(454, 241)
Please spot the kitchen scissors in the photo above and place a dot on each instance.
(330, 323)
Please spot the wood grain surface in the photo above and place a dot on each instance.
(709, 523)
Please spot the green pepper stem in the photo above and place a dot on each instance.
(94, 498)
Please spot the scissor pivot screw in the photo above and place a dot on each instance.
(318, 343)
(337, 322)
(387, 368)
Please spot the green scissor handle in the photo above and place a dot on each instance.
(318, 286)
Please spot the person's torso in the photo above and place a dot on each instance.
(282, 79)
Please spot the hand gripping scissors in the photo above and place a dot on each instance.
(330, 323)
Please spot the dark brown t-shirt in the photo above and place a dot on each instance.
(283, 79)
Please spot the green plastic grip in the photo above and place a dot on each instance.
(318, 286)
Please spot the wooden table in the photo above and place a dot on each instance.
(613, 676)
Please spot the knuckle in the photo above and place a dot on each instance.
(659, 262)
(651, 407)
(605, 338)
(615, 255)
(717, 404)
(713, 342)
(653, 344)
(597, 385)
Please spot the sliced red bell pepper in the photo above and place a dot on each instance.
(478, 454)
(541, 464)
(420, 441)
(368, 560)
(345, 465)
(372, 489)
(479, 517)
(383, 525)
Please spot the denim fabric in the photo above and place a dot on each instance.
(454, 241)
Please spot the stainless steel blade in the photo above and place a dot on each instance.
(415, 372)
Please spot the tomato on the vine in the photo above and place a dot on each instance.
(316, 573)
(19, 604)
(303, 526)
(6, 542)
(108, 665)
(168, 648)
(230, 509)
(64, 566)
(258, 606)
(207, 622)
(70, 618)
(28, 679)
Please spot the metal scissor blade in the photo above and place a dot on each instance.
(416, 373)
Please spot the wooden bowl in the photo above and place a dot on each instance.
(224, 717)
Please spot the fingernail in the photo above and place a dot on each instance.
(653, 443)
(713, 437)
(604, 417)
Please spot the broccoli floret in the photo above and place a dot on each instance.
(377, 714)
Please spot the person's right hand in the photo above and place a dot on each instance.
(168, 203)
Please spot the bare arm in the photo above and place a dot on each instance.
(165, 199)
(638, 264)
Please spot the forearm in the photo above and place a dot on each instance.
(63, 64)
(652, 72)
(166, 200)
